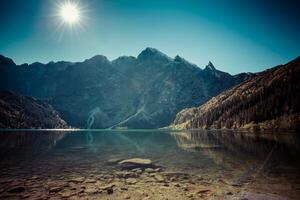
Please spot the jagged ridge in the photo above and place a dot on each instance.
(99, 93)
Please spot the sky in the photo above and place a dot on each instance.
(235, 35)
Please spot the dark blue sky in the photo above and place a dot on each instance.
(236, 35)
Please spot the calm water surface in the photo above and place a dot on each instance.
(267, 162)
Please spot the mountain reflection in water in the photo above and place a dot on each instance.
(242, 159)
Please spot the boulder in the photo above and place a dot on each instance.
(136, 163)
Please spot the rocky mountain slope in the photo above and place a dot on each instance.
(142, 92)
(17, 111)
(270, 100)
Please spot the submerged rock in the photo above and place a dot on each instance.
(203, 190)
(126, 196)
(17, 189)
(66, 194)
(136, 163)
(137, 170)
(108, 188)
(91, 190)
(126, 174)
(131, 181)
(90, 181)
(149, 170)
(159, 178)
(55, 189)
(110, 191)
(77, 180)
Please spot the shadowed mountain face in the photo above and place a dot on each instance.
(17, 111)
(142, 92)
(270, 100)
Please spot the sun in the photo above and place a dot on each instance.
(70, 17)
(69, 13)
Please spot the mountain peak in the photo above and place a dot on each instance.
(98, 59)
(152, 50)
(178, 59)
(152, 53)
(124, 60)
(6, 60)
(210, 66)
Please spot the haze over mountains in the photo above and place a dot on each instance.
(142, 92)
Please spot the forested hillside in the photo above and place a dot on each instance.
(269, 100)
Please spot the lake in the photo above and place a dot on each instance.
(87, 164)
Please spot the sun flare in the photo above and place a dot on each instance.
(69, 13)
(70, 17)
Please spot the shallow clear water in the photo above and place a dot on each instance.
(244, 160)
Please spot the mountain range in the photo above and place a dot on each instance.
(269, 100)
(146, 91)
